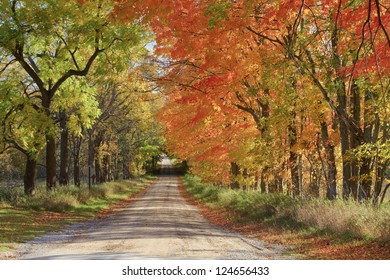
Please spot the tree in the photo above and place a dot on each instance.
(22, 127)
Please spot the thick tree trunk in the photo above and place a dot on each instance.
(331, 169)
(263, 184)
(76, 170)
(76, 159)
(98, 177)
(64, 154)
(29, 176)
(294, 168)
(50, 144)
(50, 162)
(235, 170)
(348, 186)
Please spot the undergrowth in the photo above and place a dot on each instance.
(344, 218)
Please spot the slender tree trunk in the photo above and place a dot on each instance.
(384, 193)
(64, 154)
(29, 176)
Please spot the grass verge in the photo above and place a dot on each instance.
(22, 218)
(314, 229)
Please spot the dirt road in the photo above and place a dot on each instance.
(157, 225)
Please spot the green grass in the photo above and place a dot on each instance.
(345, 219)
(22, 218)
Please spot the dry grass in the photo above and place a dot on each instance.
(346, 217)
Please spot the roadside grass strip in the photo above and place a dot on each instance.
(23, 218)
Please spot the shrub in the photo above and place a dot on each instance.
(55, 201)
(11, 195)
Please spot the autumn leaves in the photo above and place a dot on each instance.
(290, 92)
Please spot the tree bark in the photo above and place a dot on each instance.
(50, 162)
(76, 162)
(331, 170)
(64, 154)
(294, 169)
(29, 176)
(263, 184)
(344, 137)
(235, 170)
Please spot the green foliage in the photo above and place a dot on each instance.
(218, 11)
(378, 150)
(23, 126)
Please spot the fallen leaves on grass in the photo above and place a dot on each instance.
(48, 217)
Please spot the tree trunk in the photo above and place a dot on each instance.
(76, 159)
(50, 145)
(381, 167)
(294, 169)
(126, 170)
(331, 169)
(278, 183)
(76, 166)
(313, 185)
(29, 176)
(50, 162)
(64, 154)
(235, 170)
(348, 186)
(76, 170)
(263, 185)
(365, 180)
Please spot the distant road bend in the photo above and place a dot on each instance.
(160, 224)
